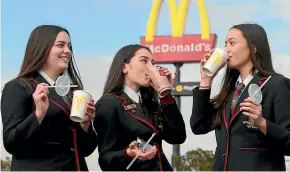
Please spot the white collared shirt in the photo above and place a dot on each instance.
(47, 78)
(132, 94)
(247, 80)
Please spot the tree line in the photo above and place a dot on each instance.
(193, 160)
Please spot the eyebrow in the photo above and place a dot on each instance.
(230, 39)
(63, 42)
(152, 60)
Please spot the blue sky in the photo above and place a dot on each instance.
(99, 28)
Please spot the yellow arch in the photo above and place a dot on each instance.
(178, 16)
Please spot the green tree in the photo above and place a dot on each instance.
(195, 160)
(6, 164)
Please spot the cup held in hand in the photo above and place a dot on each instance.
(255, 93)
(160, 81)
(140, 145)
(79, 105)
(215, 61)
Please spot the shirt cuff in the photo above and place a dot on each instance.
(126, 155)
(203, 88)
(167, 99)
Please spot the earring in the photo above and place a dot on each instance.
(255, 50)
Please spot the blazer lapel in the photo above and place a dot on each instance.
(53, 97)
(136, 111)
(244, 95)
(227, 114)
(228, 109)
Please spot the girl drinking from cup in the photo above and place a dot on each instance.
(249, 135)
(37, 129)
(130, 109)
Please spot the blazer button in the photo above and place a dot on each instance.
(224, 155)
(72, 149)
(71, 129)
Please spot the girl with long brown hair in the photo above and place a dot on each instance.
(129, 109)
(250, 136)
(37, 129)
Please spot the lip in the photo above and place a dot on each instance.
(65, 58)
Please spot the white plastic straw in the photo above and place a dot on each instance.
(133, 160)
(262, 86)
(62, 86)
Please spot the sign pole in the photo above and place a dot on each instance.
(176, 148)
(178, 48)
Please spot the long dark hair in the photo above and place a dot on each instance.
(115, 79)
(40, 42)
(261, 58)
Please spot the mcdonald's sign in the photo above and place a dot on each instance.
(178, 47)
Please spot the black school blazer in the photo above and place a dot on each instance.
(241, 146)
(118, 122)
(57, 144)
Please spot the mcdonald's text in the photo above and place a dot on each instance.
(188, 48)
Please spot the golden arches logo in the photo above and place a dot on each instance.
(79, 100)
(217, 57)
(178, 16)
(179, 88)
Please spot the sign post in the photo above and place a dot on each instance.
(176, 148)
(178, 48)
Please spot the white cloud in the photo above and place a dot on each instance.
(281, 64)
(280, 9)
(223, 17)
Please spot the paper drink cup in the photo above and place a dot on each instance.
(215, 61)
(79, 105)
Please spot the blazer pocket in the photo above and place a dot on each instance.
(52, 143)
(254, 149)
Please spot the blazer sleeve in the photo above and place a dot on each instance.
(173, 123)
(87, 141)
(106, 123)
(203, 111)
(278, 132)
(19, 123)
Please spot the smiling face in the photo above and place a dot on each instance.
(60, 53)
(238, 49)
(136, 71)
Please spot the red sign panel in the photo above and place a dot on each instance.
(189, 48)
